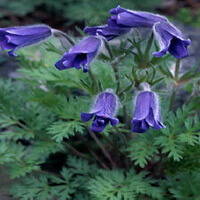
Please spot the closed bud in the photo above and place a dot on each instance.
(14, 38)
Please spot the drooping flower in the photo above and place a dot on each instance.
(110, 31)
(14, 38)
(135, 19)
(104, 109)
(80, 55)
(170, 39)
(147, 113)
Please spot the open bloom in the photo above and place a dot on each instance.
(80, 55)
(104, 109)
(135, 19)
(147, 113)
(17, 37)
(110, 31)
(170, 39)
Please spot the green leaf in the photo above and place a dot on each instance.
(61, 129)
(170, 144)
(142, 149)
(119, 184)
(5, 155)
(6, 121)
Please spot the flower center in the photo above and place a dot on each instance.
(101, 121)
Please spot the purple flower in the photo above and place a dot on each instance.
(103, 111)
(110, 31)
(147, 113)
(80, 55)
(16, 37)
(135, 19)
(170, 39)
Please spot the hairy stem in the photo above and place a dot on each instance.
(176, 77)
(109, 49)
(116, 72)
(75, 151)
(123, 136)
(148, 47)
(111, 144)
(99, 160)
(91, 151)
(101, 146)
(94, 80)
(172, 99)
(60, 33)
(177, 69)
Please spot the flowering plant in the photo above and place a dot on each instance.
(116, 125)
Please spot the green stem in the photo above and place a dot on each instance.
(125, 116)
(116, 72)
(176, 77)
(93, 79)
(60, 33)
(111, 144)
(75, 151)
(123, 136)
(177, 69)
(172, 99)
(148, 47)
(91, 151)
(99, 160)
(110, 51)
(48, 173)
(114, 64)
(101, 146)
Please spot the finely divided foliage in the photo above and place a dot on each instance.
(53, 152)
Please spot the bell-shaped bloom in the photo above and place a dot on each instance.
(80, 55)
(110, 31)
(170, 39)
(14, 38)
(135, 19)
(147, 113)
(103, 111)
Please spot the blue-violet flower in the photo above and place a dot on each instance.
(14, 38)
(80, 55)
(110, 31)
(170, 39)
(147, 113)
(104, 109)
(135, 19)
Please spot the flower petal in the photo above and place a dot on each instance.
(114, 121)
(170, 39)
(139, 126)
(29, 30)
(18, 37)
(86, 116)
(134, 19)
(142, 105)
(99, 124)
(80, 55)
(178, 48)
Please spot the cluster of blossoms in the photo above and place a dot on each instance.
(146, 114)
(122, 21)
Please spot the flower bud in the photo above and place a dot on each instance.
(17, 37)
